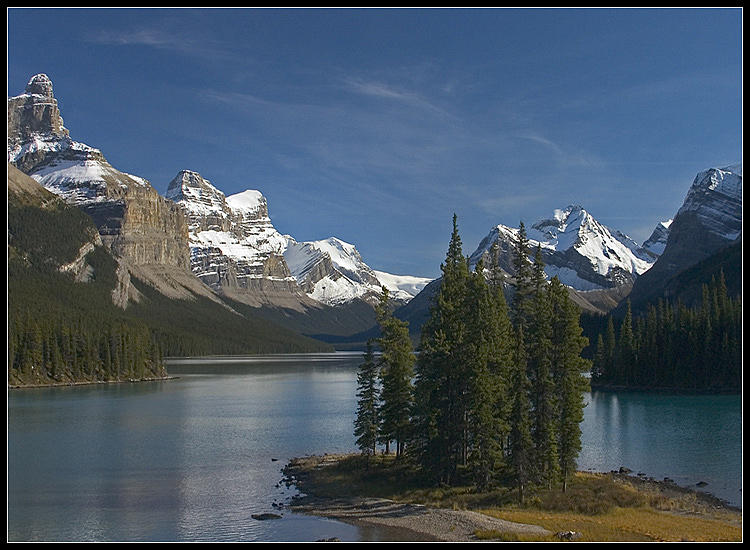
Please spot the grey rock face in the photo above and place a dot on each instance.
(138, 225)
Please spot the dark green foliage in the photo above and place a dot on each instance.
(63, 331)
(676, 347)
(442, 374)
(205, 327)
(396, 373)
(50, 342)
(498, 400)
(366, 425)
(47, 236)
(521, 446)
(569, 370)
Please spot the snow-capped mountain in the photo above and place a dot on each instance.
(333, 272)
(234, 247)
(709, 220)
(580, 251)
(132, 218)
(658, 239)
(715, 199)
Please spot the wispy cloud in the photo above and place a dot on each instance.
(383, 91)
(164, 40)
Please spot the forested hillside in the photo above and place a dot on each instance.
(63, 325)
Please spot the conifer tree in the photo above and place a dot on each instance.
(520, 442)
(543, 395)
(368, 397)
(568, 369)
(488, 360)
(441, 374)
(396, 372)
(523, 279)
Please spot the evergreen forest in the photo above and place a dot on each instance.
(496, 393)
(67, 331)
(676, 347)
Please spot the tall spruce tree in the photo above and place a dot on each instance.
(366, 424)
(520, 447)
(569, 370)
(441, 385)
(489, 362)
(396, 373)
(522, 284)
(543, 395)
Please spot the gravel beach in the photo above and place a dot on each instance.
(427, 524)
(416, 522)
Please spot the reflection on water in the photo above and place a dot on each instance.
(688, 438)
(191, 459)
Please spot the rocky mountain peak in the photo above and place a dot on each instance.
(715, 199)
(35, 126)
(133, 220)
(583, 253)
(40, 85)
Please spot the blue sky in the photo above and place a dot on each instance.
(376, 126)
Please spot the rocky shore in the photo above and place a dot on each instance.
(417, 522)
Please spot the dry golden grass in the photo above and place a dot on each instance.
(626, 525)
(598, 507)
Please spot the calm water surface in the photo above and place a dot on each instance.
(191, 459)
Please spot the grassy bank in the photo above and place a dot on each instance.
(596, 506)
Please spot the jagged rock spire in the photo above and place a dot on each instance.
(40, 84)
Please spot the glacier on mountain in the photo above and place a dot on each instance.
(333, 272)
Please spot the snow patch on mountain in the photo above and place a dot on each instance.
(236, 230)
(658, 239)
(333, 272)
(583, 253)
(227, 229)
(715, 197)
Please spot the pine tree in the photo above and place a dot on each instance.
(366, 424)
(543, 395)
(568, 369)
(441, 374)
(626, 345)
(523, 279)
(520, 442)
(396, 371)
(488, 360)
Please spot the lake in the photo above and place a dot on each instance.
(192, 458)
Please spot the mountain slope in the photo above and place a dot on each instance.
(144, 231)
(333, 272)
(234, 248)
(583, 253)
(709, 220)
(61, 282)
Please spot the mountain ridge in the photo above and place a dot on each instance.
(195, 240)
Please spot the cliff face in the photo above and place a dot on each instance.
(234, 248)
(140, 227)
(709, 220)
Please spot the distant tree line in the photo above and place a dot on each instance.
(47, 351)
(673, 346)
(496, 393)
(61, 331)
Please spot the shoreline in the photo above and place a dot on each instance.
(88, 383)
(412, 522)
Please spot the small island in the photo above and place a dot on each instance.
(481, 430)
(387, 491)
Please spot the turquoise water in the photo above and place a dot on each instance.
(191, 459)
